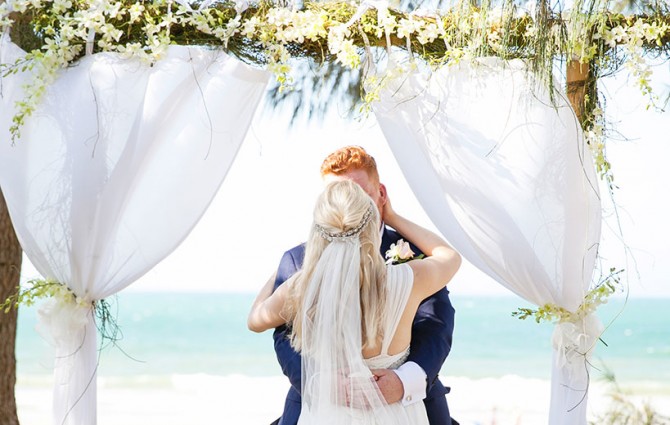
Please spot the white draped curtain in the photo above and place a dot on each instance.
(112, 171)
(504, 173)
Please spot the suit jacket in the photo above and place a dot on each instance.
(431, 341)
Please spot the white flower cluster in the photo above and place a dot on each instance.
(64, 295)
(278, 58)
(594, 136)
(342, 47)
(636, 34)
(632, 38)
(296, 26)
(274, 30)
(5, 22)
(407, 27)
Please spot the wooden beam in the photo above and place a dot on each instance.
(577, 76)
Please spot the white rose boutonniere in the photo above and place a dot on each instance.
(400, 252)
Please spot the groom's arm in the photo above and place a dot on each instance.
(288, 358)
(432, 335)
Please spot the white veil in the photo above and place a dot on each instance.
(337, 386)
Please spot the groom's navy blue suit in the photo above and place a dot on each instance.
(431, 341)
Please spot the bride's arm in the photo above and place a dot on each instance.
(442, 261)
(266, 312)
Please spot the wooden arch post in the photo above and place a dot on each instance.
(576, 82)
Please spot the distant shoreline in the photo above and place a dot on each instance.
(177, 333)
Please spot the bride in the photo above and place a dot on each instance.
(350, 312)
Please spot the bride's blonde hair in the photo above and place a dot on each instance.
(341, 208)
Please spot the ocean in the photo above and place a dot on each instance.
(168, 334)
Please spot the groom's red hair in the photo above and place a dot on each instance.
(350, 158)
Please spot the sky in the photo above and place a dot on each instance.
(640, 171)
(264, 205)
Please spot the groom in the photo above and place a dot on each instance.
(416, 380)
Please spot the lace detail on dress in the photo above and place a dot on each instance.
(401, 360)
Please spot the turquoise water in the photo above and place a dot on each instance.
(166, 334)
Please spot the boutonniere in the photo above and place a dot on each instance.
(400, 252)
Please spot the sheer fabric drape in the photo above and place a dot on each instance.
(509, 180)
(112, 171)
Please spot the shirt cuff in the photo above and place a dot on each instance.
(413, 380)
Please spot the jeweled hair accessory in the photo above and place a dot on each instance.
(349, 234)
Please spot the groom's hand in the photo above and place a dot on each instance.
(389, 384)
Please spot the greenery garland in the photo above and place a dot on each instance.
(592, 300)
(267, 35)
(39, 289)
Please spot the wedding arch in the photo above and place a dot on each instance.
(111, 107)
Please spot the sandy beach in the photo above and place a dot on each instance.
(237, 399)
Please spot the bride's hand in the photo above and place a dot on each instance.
(355, 390)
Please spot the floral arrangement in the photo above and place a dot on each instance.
(593, 298)
(59, 32)
(39, 289)
(61, 295)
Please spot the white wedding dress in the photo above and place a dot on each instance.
(399, 281)
(335, 398)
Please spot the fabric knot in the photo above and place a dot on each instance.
(574, 341)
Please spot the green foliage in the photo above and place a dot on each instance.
(108, 328)
(595, 297)
(39, 289)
